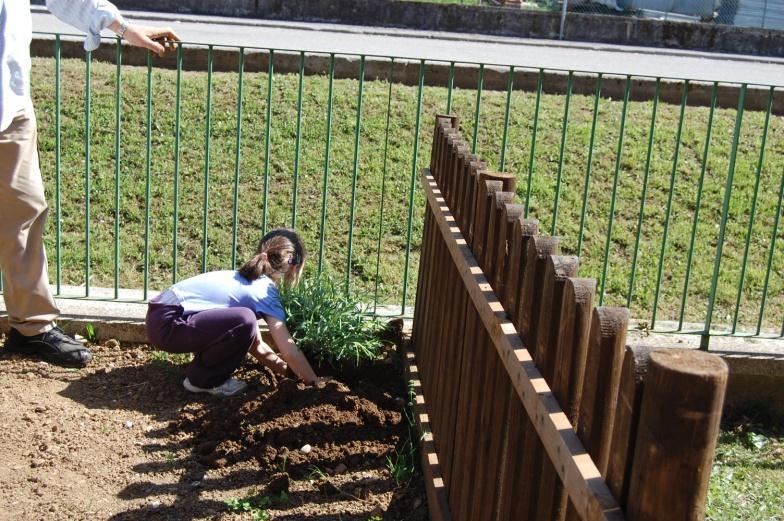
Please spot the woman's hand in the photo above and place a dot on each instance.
(289, 350)
(156, 39)
(264, 354)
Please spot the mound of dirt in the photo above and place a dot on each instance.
(334, 424)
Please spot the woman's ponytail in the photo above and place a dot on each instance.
(277, 249)
(256, 267)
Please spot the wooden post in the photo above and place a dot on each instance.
(676, 436)
(463, 179)
(509, 215)
(568, 372)
(522, 231)
(627, 415)
(573, 337)
(600, 386)
(558, 269)
(476, 166)
(512, 468)
(495, 216)
(538, 250)
(485, 195)
(445, 180)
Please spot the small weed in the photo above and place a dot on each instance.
(159, 356)
(105, 429)
(284, 461)
(408, 410)
(402, 463)
(171, 458)
(162, 358)
(89, 333)
(316, 474)
(255, 504)
(375, 517)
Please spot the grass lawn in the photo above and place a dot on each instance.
(747, 481)
(396, 180)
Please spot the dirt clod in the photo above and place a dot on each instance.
(278, 483)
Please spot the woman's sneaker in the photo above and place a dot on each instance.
(53, 346)
(230, 387)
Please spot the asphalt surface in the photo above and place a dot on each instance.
(458, 47)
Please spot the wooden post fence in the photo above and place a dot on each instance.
(537, 409)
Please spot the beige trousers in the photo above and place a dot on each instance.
(28, 300)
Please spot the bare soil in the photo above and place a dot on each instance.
(122, 440)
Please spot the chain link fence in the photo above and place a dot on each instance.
(762, 14)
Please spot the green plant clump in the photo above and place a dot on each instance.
(256, 505)
(331, 325)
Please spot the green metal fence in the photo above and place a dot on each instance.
(156, 175)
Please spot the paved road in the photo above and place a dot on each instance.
(457, 47)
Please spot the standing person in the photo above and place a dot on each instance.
(214, 315)
(23, 209)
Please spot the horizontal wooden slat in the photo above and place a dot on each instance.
(437, 502)
(582, 480)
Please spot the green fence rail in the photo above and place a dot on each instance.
(159, 174)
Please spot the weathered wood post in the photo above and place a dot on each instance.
(676, 436)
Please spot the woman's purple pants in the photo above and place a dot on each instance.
(218, 338)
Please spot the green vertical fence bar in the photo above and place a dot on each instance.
(265, 211)
(509, 87)
(237, 159)
(588, 169)
(478, 109)
(698, 204)
(355, 172)
(412, 183)
(117, 122)
(611, 220)
(643, 193)
(325, 184)
(564, 128)
(668, 210)
(450, 85)
(771, 250)
(148, 166)
(383, 186)
(207, 139)
(57, 160)
(753, 211)
(176, 212)
(87, 151)
(532, 154)
(297, 140)
(705, 340)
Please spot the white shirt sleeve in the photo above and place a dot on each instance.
(90, 16)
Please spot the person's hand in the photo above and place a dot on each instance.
(264, 354)
(156, 39)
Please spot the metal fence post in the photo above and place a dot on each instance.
(564, 6)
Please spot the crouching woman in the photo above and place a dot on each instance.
(214, 316)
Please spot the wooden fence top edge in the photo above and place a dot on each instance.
(581, 478)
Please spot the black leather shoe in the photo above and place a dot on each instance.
(53, 346)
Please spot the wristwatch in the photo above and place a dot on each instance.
(123, 28)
